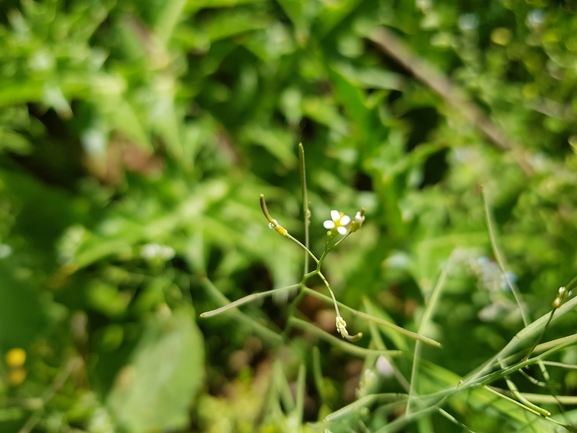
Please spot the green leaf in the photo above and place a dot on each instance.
(154, 391)
(168, 17)
(226, 25)
(22, 316)
(334, 13)
(277, 141)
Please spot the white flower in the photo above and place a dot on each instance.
(384, 366)
(358, 221)
(156, 252)
(339, 222)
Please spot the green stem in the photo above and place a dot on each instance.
(500, 259)
(325, 252)
(265, 333)
(364, 402)
(281, 230)
(429, 312)
(306, 212)
(249, 298)
(560, 365)
(296, 241)
(515, 391)
(436, 400)
(347, 347)
(414, 378)
(454, 420)
(374, 319)
(331, 292)
(292, 308)
(540, 337)
(536, 410)
(339, 241)
(524, 335)
(378, 341)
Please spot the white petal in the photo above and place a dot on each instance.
(343, 230)
(329, 225)
(345, 220)
(335, 215)
(384, 367)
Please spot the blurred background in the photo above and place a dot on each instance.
(136, 137)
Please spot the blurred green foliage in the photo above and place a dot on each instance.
(136, 137)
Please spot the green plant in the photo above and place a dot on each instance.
(443, 394)
(135, 137)
(339, 228)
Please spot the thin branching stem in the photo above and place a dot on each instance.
(364, 402)
(515, 391)
(336, 304)
(281, 230)
(560, 365)
(296, 241)
(543, 398)
(262, 331)
(347, 347)
(374, 319)
(249, 298)
(339, 241)
(325, 252)
(503, 396)
(436, 400)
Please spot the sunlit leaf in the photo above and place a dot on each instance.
(155, 390)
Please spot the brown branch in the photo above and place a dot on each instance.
(389, 43)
